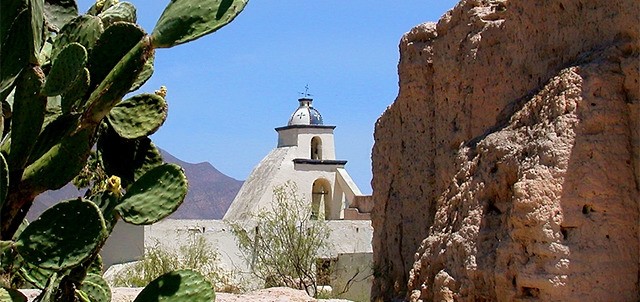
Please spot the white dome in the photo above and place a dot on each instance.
(305, 114)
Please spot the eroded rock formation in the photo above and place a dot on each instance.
(509, 165)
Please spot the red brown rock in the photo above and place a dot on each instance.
(509, 165)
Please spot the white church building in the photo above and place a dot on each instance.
(306, 155)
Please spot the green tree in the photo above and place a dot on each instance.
(283, 247)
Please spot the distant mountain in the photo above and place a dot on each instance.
(210, 192)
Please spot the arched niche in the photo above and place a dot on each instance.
(321, 202)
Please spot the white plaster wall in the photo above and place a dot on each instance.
(346, 237)
(125, 244)
(352, 277)
(173, 234)
(258, 185)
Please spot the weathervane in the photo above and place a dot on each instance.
(306, 91)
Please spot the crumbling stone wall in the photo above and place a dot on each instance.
(509, 165)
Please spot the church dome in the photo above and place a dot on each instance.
(305, 114)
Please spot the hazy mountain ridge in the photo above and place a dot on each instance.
(210, 192)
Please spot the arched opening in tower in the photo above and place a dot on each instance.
(321, 200)
(316, 148)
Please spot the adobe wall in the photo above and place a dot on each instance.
(508, 167)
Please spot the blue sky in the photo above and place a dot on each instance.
(229, 90)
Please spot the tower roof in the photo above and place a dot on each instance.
(305, 114)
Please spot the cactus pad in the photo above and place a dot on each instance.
(55, 240)
(113, 44)
(28, 116)
(122, 11)
(117, 83)
(100, 6)
(96, 288)
(54, 129)
(36, 8)
(106, 201)
(83, 29)
(4, 179)
(59, 12)
(96, 266)
(154, 196)
(186, 20)
(178, 286)
(138, 116)
(71, 99)
(147, 72)
(60, 164)
(128, 159)
(15, 41)
(35, 275)
(67, 66)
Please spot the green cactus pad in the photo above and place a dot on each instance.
(14, 45)
(138, 116)
(178, 286)
(96, 288)
(51, 288)
(54, 240)
(186, 20)
(54, 130)
(23, 225)
(128, 159)
(11, 295)
(107, 202)
(68, 65)
(35, 275)
(117, 83)
(83, 29)
(45, 53)
(36, 8)
(154, 196)
(60, 164)
(71, 99)
(147, 72)
(60, 12)
(100, 6)
(9, 259)
(116, 41)
(122, 11)
(28, 116)
(4, 179)
(96, 266)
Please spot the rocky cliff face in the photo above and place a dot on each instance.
(509, 165)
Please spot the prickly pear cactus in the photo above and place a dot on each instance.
(63, 77)
(178, 286)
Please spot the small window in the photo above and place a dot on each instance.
(316, 148)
